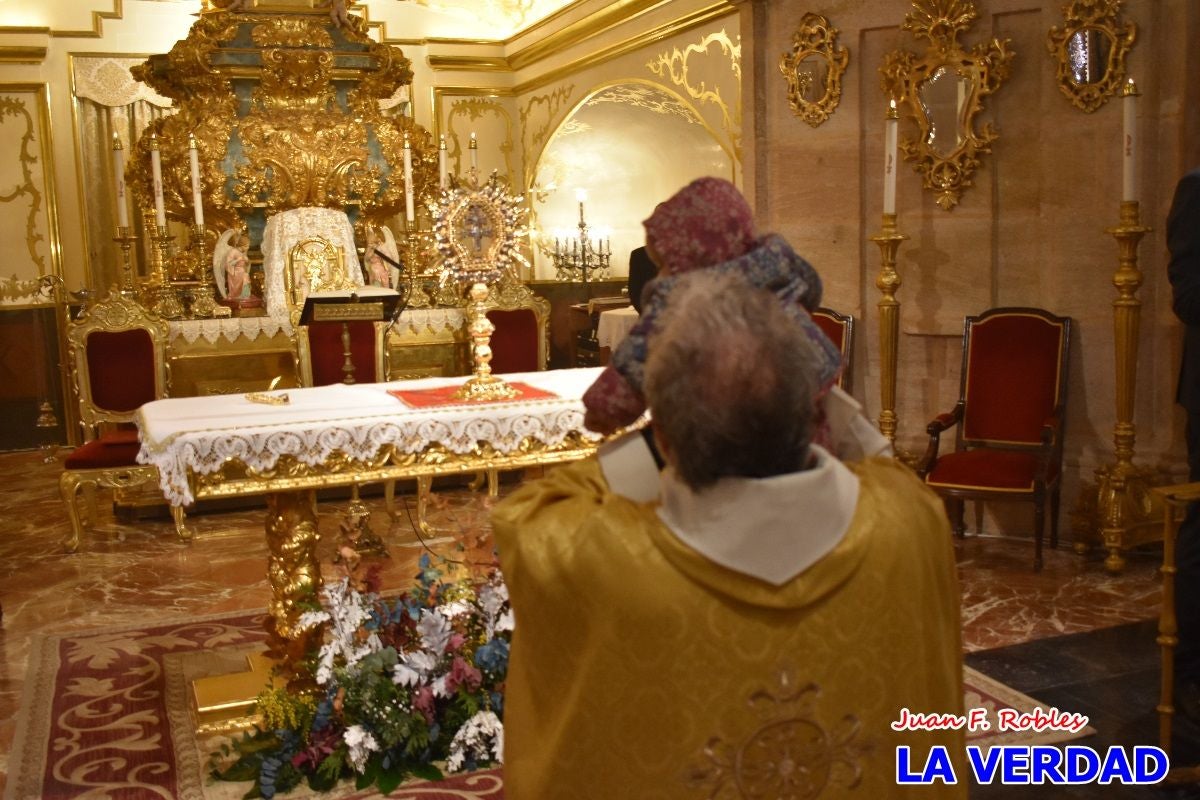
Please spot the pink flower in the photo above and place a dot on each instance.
(423, 702)
(456, 642)
(462, 674)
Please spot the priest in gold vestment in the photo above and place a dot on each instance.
(753, 630)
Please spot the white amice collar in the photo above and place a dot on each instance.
(770, 528)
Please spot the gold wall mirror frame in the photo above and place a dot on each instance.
(1090, 50)
(944, 89)
(814, 69)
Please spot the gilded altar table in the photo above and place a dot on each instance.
(231, 445)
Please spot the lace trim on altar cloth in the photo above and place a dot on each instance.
(231, 329)
(260, 450)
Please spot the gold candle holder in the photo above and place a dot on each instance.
(888, 283)
(417, 296)
(1126, 513)
(482, 385)
(204, 297)
(125, 240)
(160, 294)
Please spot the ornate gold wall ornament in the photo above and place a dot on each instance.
(673, 66)
(474, 109)
(790, 754)
(944, 88)
(814, 69)
(26, 191)
(1090, 50)
(645, 96)
(534, 136)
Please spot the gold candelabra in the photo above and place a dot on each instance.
(1125, 513)
(204, 297)
(413, 248)
(125, 239)
(888, 283)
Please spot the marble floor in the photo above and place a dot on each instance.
(127, 571)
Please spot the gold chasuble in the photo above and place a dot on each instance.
(642, 669)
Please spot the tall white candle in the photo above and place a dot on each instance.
(443, 174)
(1129, 189)
(890, 132)
(160, 213)
(409, 208)
(474, 148)
(119, 181)
(194, 163)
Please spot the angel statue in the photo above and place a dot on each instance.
(231, 267)
(381, 257)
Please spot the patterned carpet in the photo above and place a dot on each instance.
(107, 714)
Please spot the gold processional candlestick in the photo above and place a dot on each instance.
(1123, 499)
(482, 385)
(125, 239)
(888, 283)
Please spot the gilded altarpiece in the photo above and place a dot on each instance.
(32, 404)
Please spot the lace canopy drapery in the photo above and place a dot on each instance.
(286, 229)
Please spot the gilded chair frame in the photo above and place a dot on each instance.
(512, 295)
(115, 314)
(846, 321)
(1049, 449)
(380, 365)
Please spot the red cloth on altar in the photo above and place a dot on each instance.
(444, 396)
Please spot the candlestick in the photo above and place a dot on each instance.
(890, 130)
(409, 209)
(119, 181)
(160, 214)
(888, 283)
(443, 175)
(474, 148)
(197, 198)
(1129, 149)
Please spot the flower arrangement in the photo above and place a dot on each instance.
(403, 684)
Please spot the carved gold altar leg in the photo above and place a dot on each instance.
(356, 529)
(1125, 512)
(294, 574)
(888, 283)
(424, 490)
(181, 529)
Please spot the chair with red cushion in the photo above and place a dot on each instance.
(1012, 399)
(322, 352)
(840, 330)
(117, 351)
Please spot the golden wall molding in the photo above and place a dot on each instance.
(534, 134)
(28, 104)
(474, 109)
(469, 64)
(682, 24)
(22, 54)
(607, 18)
(673, 66)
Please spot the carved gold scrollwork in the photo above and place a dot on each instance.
(944, 89)
(674, 67)
(814, 69)
(291, 32)
(1090, 50)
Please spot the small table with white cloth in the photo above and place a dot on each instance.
(614, 325)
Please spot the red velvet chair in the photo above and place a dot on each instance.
(840, 330)
(322, 352)
(1012, 399)
(117, 351)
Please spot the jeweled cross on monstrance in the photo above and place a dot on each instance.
(477, 226)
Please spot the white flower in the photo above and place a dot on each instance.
(454, 609)
(481, 738)
(361, 745)
(435, 632)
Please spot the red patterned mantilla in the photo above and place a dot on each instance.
(444, 396)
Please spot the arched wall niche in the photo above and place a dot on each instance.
(629, 144)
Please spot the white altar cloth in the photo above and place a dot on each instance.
(614, 324)
(186, 435)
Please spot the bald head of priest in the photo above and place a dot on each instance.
(647, 622)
